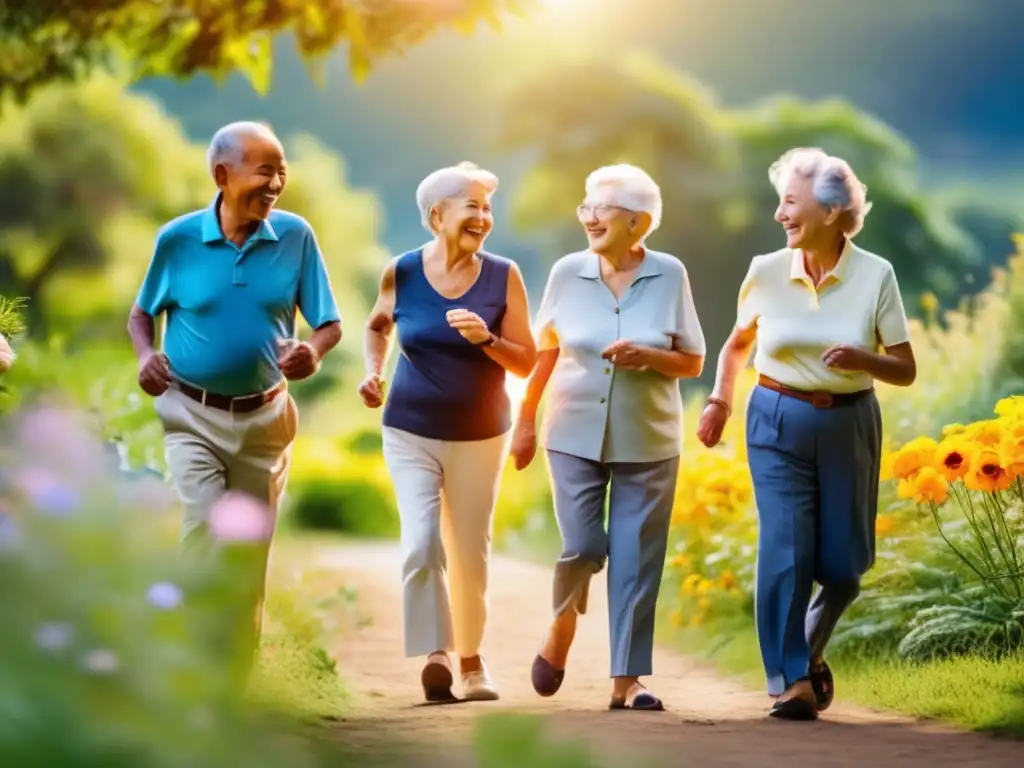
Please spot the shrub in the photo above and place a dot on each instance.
(334, 489)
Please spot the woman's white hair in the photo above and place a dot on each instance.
(449, 183)
(835, 184)
(634, 189)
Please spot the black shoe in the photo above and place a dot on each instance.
(824, 685)
(645, 702)
(794, 709)
(545, 678)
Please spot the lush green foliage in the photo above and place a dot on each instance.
(46, 40)
(712, 166)
(104, 652)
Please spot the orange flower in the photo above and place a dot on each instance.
(986, 432)
(930, 487)
(883, 525)
(728, 581)
(987, 473)
(952, 457)
(912, 456)
(1011, 450)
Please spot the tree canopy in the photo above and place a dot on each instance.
(43, 41)
(87, 175)
(712, 164)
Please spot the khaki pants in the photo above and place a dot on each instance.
(210, 452)
(446, 492)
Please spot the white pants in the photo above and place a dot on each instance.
(446, 492)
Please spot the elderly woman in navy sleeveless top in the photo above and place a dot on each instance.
(617, 329)
(463, 321)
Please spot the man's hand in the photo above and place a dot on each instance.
(371, 390)
(298, 361)
(470, 325)
(845, 357)
(627, 355)
(154, 373)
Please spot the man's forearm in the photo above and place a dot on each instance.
(142, 332)
(325, 338)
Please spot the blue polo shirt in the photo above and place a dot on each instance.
(226, 305)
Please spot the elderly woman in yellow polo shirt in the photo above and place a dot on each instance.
(827, 320)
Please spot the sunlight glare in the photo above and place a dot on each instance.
(516, 390)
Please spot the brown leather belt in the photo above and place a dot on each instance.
(817, 399)
(242, 404)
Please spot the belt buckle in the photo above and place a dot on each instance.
(822, 399)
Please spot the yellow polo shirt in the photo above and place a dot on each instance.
(857, 303)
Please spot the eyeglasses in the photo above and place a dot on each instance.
(586, 211)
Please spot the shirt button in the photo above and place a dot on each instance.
(607, 370)
(603, 400)
(616, 310)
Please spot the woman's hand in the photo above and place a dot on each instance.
(371, 390)
(524, 444)
(712, 422)
(627, 355)
(470, 325)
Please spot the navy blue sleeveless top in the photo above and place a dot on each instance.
(445, 387)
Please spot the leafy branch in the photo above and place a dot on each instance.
(12, 317)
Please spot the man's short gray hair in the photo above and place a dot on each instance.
(226, 146)
(835, 184)
(635, 190)
(449, 183)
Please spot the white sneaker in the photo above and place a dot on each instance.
(478, 685)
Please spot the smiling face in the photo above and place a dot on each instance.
(610, 228)
(466, 220)
(251, 186)
(807, 224)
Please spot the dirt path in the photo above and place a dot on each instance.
(710, 721)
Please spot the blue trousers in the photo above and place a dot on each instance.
(640, 504)
(815, 473)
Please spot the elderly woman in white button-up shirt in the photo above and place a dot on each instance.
(616, 331)
(828, 322)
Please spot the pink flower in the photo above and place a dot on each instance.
(240, 517)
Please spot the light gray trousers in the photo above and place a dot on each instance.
(640, 502)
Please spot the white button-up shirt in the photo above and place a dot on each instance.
(857, 303)
(594, 410)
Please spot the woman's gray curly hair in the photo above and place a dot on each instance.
(835, 184)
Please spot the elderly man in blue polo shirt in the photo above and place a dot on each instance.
(229, 280)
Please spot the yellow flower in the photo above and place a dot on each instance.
(677, 619)
(905, 488)
(952, 457)
(883, 525)
(912, 456)
(704, 604)
(987, 473)
(953, 429)
(704, 586)
(728, 581)
(1010, 407)
(690, 583)
(930, 486)
(886, 472)
(929, 302)
(988, 432)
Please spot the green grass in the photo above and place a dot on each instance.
(297, 674)
(976, 693)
